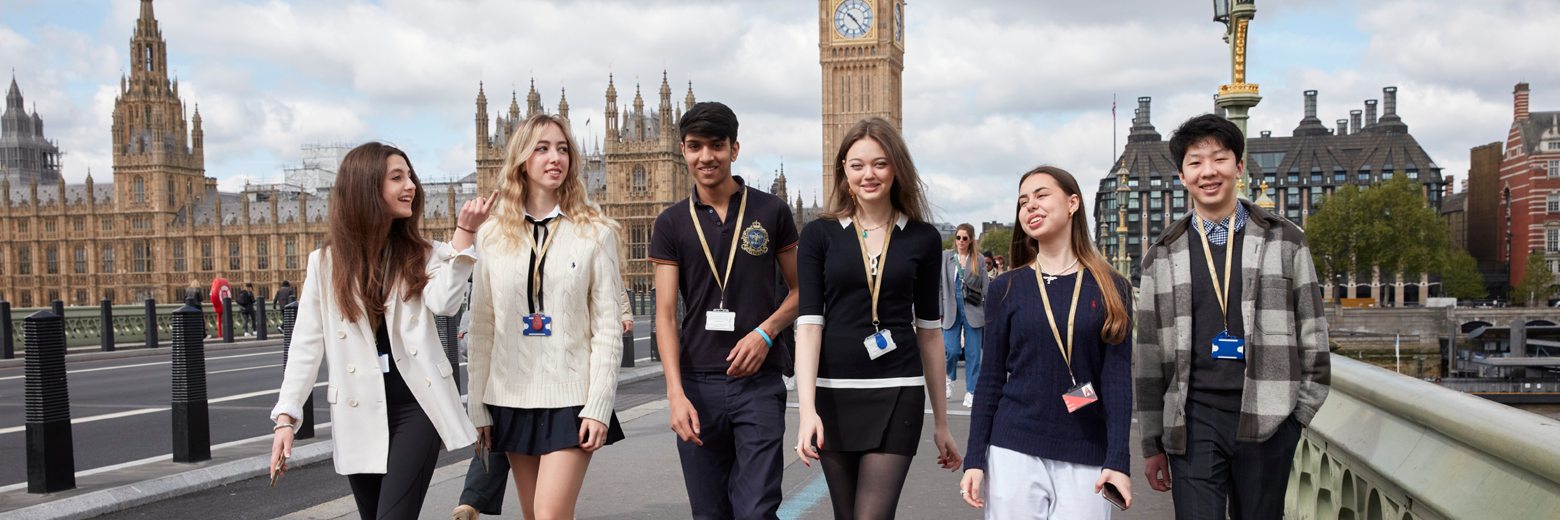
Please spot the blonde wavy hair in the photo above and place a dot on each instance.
(504, 230)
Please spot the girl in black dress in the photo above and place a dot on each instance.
(869, 340)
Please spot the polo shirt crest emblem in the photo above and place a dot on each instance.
(755, 239)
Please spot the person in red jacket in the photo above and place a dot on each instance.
(219, 290)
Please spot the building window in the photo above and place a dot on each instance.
(1552, 240)
(27, 299)
(205, 255)
(51, 260)
(108, 294)
(54, 294)
(178, 256)
(262, 254)
(845, 93)
(866, 91)
(108, 263)
(1153, 182)
(1132, 202)
(1132, 217)
(108, 223)
(1293, 177)
(1552, 202)
(1316, 175)
(142, 256)
(81, 260)
(1554, 168)
(639, 181)
(290, 248)
(140, 190)
(171, 188)
(1178, 200)
(24, 262)
(235, 260)
(638, 239)
(21, 226)
(1175, 181)
(81, 297)
(1155, 201)
(1413, 174)
(78, 224)
(1553, 145)
(48, 226)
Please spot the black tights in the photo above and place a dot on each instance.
(864, 485)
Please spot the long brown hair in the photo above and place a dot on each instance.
(1024, 249)
(361, 235)
(908, 194)
(508, 223)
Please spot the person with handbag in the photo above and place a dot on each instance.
(368, 306)
(963, 305)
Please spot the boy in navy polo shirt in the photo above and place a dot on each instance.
(720, 249)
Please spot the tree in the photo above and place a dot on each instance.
(1460, 277)
(1537, 283)
(1388, 225)
(997, 241)
(948, 244)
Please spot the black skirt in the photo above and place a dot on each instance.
(539, 431)
(884, 420)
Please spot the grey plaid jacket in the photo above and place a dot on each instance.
(1287, 370)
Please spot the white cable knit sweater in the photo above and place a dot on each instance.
(577, 364)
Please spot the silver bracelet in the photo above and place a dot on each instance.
(280, 426)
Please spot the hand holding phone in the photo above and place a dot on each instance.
(1115, 487)
(276, 472)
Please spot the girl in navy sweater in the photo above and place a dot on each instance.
(1054, 431)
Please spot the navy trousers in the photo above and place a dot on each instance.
(1220, 476)
(736, 473)
(484, 492)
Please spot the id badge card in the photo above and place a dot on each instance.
(1079, 397)
(1226, 346)
(537, 324)
(720, 320)
(879, 343)
(384, 363)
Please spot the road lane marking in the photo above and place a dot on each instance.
(144, 411)
(159, 458)
(147, 365)
(797, 505)
(242, 369)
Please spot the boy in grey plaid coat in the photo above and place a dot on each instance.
(1225, 388)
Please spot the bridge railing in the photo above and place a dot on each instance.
(129, 321)
(1388, 446)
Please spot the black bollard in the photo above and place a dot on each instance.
(290, 317)
(7, 347)
(655, 347)
(51, 464)
(227, 319)
(106, 324)
(262, 327)
(449, 338)
(191, 419)
(58, 308)
(151, 322)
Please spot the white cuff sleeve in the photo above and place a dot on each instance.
(811, 319)
(291, 410)
(928, 324)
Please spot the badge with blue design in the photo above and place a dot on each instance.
(1227, 346)
(755, 239)
(537, 324)
(879, 343)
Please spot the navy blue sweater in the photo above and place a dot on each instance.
(1024, 411)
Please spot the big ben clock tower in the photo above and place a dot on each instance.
(861, 46)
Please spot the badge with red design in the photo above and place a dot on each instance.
(1079, 397)
(538, 324)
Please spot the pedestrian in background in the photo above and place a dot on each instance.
(546, 326)
(869, 273)
(1002, 265)
(284, 296)
(246, 305)
(1227, 424)
(1039, 442)
(962, 304)
(369, 305)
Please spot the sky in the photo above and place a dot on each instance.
(991, 89)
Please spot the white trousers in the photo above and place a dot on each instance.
(1020, 486)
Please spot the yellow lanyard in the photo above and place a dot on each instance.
(719, 278)
(1072, 315)
(541, 253)
(874, 283)
(1220, 292)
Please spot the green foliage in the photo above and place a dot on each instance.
(948, 244)
(1460, 277)
(997, 241)
(1537, 283)
(1387, 225)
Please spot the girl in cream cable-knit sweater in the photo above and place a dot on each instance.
(545, 331)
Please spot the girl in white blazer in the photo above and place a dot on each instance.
(546, 329)
(368, 305)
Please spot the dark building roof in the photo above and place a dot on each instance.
(1454, 203)
(1534, 127)
(1313, 160)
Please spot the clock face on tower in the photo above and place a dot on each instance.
(899, 22)
(853, 18)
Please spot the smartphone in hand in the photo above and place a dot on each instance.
(1113, 496)
(276, 472)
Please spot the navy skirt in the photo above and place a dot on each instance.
(539, 431)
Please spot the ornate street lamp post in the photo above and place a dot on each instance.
(1122, 261)
(1238, 96)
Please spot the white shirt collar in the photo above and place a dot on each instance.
(903, 219)
(556, 211)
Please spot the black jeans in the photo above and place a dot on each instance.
(1249, 478)
(484, 492)
(414, 451)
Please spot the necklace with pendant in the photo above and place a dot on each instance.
(865, 229)
(1052, 277)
